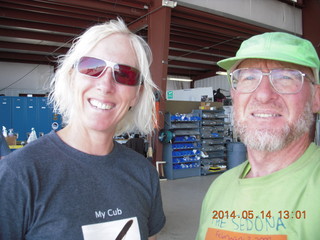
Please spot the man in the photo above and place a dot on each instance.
(275, 194)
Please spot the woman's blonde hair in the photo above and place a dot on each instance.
(141, 117)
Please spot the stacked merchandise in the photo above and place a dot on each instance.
(182, 153)
(213, 144)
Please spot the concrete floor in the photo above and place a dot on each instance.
(182, 199)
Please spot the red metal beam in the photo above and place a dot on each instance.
(311, 23)
(43, 18)
(130, 3)
(192, 56)
(184, 72)
(205, 36)
(42, 49)
(221, 50)
(138, 25)
(158, 39)
(208, 74)
(190, 64)
(27, 58)
(72, 31)
(108, 7)
(201, 44)
(41, 8)
(207, 27)
(35, 35)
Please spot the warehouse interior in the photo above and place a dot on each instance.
(187, 39)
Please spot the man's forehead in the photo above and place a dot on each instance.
(270, 64)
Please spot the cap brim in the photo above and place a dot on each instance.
(228, 63)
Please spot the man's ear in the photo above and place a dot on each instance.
(316, 99)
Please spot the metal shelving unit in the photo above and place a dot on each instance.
(182, 152)
(213, 145)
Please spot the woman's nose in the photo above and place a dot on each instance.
(106, 83)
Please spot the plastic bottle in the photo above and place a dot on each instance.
(33, 135)
(4, 131)
(10, 132)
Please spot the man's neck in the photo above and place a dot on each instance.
(265, 163)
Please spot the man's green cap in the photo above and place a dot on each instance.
(277, 46)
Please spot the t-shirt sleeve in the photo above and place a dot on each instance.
(157, 218)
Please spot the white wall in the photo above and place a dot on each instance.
(272, 14)
(18, 78)
(215, 82)
(174, 85)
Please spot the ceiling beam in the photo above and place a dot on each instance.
(208, 74)
(35, 35)
(27, 58)
(43, 18)
(14, 23)
(140, 4)
(137, 26)
(222, 51)
(44, 49)
(210, 19)
(108, 7)
(191, 55)
(213, 28)
(190, 64)
(54, 10)
(183, 72)
(205, 45)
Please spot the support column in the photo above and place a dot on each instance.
(158, 40)
(311, 23)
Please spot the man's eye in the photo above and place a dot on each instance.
(285, 77)
(247, 78)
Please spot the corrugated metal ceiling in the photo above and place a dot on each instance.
(37, 31)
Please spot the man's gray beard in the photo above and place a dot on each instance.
(271, 140)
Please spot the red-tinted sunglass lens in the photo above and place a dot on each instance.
(126, 75)
(91, 66)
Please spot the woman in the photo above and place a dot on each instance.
(79, 183)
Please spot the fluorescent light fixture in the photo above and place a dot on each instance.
(222, 73)
(181, 79)
(169, 3)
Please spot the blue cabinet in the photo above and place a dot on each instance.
(19, 105)
(31, 115)
(5, 112)
(43, 116)
(24, 113)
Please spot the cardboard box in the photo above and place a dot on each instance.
(11, 140)
(174, 107)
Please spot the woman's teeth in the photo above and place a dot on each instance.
(100, 105)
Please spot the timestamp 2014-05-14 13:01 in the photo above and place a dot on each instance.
(250, 214)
